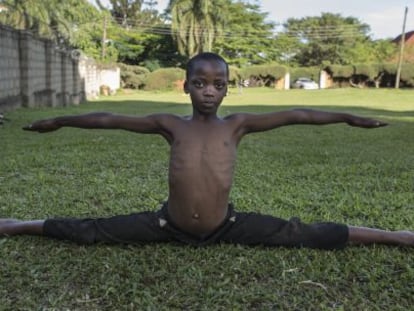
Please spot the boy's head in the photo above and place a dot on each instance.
(206, 56)
(207, 76)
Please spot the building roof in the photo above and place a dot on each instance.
(408, 37)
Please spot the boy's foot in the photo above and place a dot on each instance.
(405, 237)
(7, 226)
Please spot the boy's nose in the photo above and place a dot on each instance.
(209, 90)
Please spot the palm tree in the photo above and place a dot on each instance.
(53, 19)
(195, 24)
(23, 14)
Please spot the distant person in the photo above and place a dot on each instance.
(202, 160)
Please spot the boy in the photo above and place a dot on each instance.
(201, 167)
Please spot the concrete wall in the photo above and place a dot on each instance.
(35, 72)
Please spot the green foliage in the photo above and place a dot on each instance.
(270, 70)
(195, 24)
(382, 74)
(133, 77)
(407, 74)
(129, 43)
(369, 70)
(164, 79)
(51, 19)
(234, 74)
(328, 39)
(263, 75)
(247, 38)
(132, 13)
(390, 68)
(338, 71)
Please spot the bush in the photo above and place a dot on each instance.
(133, 77)
(407, 74)
(340, 71)
(234, 75)
(164, 79)
(268, 70)
(263, 75)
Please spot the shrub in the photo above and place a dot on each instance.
(407, 74)
(133, 77)
(263, 75)
(234, 75)
(164, 79)
(340, 71)
(371, 71)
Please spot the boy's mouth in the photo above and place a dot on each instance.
(209, 104)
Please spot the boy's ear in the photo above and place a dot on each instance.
(186, 87)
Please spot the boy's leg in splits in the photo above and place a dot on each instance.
(362, 235)
(259, 229)
(356, 235)
(9, 226)
(134, 228)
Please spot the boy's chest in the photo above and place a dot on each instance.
(211, 142)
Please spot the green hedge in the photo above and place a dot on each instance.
(367, 73)
(261, 71)
(133, 77)
(407, 74)
(234, 74)
(340, 71)
(164, 79)
(138, 77)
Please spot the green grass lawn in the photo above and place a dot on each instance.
(334, 173)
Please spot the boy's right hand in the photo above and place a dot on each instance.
(43, 126)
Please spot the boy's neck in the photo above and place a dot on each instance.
(204, 117)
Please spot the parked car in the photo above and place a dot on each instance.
(305, 83)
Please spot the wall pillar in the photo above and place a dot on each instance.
(26, 81)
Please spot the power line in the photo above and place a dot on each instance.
(321, 32)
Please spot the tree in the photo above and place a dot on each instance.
(328, 39)
(124, 9)
(195, 24)
(30, 15)
(133, 13)
(247, 37)
(51, 19)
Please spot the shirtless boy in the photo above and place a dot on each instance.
(202, 159)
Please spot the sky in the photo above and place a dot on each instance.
(385, 17)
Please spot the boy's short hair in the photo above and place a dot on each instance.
(207, 56)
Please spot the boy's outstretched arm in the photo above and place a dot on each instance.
(102, 120)
(263, 122)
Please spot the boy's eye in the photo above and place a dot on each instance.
(198, 84)
(219, 85)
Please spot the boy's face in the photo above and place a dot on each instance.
(207, 85)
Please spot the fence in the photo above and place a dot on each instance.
(35, 72)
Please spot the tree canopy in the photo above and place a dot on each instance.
(134, 32)
(330, 39)
(196, 24)
(247, 38)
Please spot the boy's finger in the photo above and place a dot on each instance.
(28, 127)
(381, 124)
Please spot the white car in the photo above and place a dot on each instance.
(305, 83)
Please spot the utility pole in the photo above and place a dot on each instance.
(401, 55)
(104, 38)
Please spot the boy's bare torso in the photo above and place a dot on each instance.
(202, 161)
